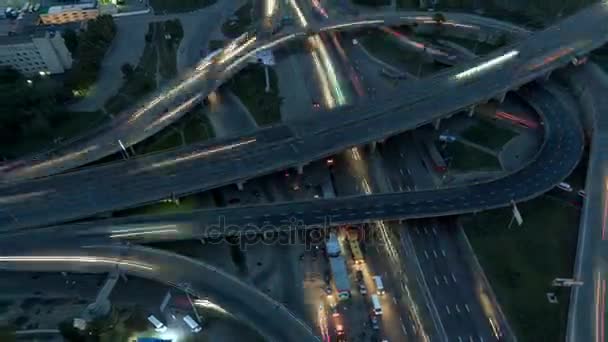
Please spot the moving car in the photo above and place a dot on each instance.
(565, 186)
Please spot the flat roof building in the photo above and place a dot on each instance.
(62, 14)
(37, 52)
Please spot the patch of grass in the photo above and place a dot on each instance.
(522, 261)
(408, 4)
(167, 140)
(249, 86)
(488, 135)
(466, 158)
(239, 23)
(179, 6)
(68, 125)
(198, 128)
(186, 204)
(215, 44)
(170, 34)
(390, 51)
(479, 48)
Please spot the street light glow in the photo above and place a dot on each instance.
(78, 259)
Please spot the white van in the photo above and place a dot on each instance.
(158, 325)
(564, 186)
(192, 324)
(379, 285)
(377, 305)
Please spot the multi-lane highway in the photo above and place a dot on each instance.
(147, 179)
(157, 111)
(557, 157)
(106, 188)
(586, 321)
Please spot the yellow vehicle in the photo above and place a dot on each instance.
(355, 248)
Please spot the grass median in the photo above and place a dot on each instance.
(486, 134)
(240, 22)
(521, 262)
(467, 158)
(249, 85)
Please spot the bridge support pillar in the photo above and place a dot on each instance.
(300, 169)
(436, 123)
(373, 146)
(471, 111)
(240, 185)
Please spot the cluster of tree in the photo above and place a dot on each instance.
(88, 49)
(28, 106)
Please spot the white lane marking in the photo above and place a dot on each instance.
(453, 277)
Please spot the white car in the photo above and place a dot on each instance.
(565, 186)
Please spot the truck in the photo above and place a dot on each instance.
(333, 246)
(340, 276)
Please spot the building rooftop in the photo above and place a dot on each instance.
(64, 8)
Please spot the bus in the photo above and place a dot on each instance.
(158, 325)
(377, 305)
(192, 324)
(355, 247)
(379, 285)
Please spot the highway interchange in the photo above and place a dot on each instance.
(28, 203)
(80, 194)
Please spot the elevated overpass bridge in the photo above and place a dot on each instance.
(148, 179)
(157, 111)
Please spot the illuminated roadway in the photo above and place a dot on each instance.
(557, 157)
(587, 315)
(151, 178)
(170, 103)
(268, 317)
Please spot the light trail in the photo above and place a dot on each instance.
(22, 197)
(171, 228)
(299, 13)
(205, 303)
(177, 110)
(486, 65)
(196, 155)
(66, 157)
(237, 50)
(357, 23)
(79, 259)
(351, 71)
(260, 48)
(331, 72)
(270, 6)
(330, 102)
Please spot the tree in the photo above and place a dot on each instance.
(127, 70)
(69, 333)
(71, 40)
(439, 18)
